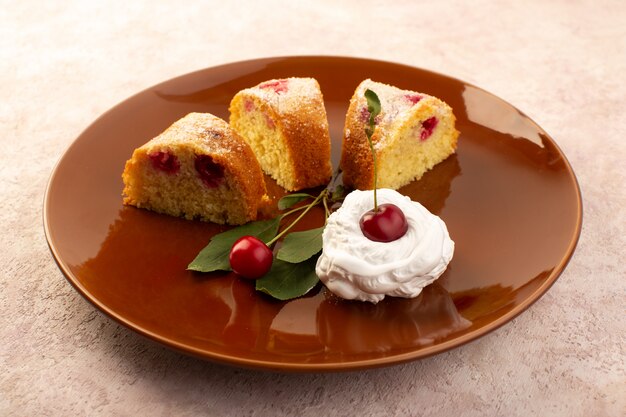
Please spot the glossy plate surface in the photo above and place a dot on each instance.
(509, 198)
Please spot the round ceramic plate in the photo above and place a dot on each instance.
(508, 196)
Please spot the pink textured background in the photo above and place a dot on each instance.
(561, 62)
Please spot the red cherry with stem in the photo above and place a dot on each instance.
(385, 225)
(250, 257)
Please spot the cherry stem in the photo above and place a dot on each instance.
(369, 140)
(326, 210)
(306, 210)
(292, 211)
(373, 107)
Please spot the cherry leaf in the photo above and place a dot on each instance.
(300, 246)
(338, 193)
(373, 106)
(286, 280)
(292, 199)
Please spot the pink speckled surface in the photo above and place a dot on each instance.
(560, 62)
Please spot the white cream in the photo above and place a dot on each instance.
(355, 267)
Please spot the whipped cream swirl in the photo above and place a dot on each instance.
(355, 267)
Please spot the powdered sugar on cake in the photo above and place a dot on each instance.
(394, 105)
(285, 122)
(413, 133)
(287, 95)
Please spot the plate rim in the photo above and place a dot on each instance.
(334, 366)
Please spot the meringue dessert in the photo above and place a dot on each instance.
(355, 267)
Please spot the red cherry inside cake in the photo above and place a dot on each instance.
(279, 86)
(165, 162)
(211, 173)
(428, 126)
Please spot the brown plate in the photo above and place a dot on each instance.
(509, 198)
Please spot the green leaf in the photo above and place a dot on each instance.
(286, 280)
(214, 257)
(338, 193)
(300, 246)
(292, 199)
(373, 106)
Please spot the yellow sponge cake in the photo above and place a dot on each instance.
(198, 168)
(413, 133)
(285, 123)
